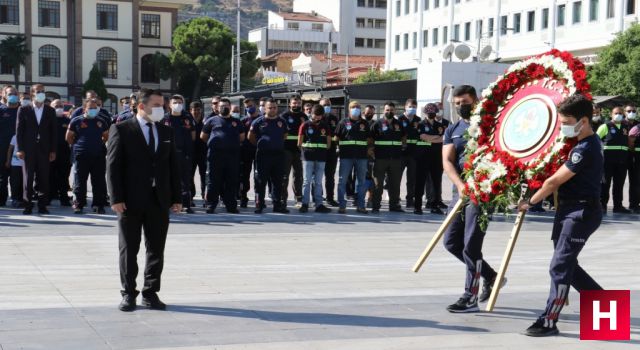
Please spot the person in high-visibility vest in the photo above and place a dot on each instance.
(314, 139)
(294, 118)
(615, 135)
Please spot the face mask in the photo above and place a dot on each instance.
(570, 130)
(596, 118)
(59, 112)
(177, 108)
(355, 112)
(262, 109)
(618, 118)
(368, 116)
(464, 111)
(13, 99)
(631, 115)
(40, 97)
(411, 111)
(92, 112)
(431, 116)
(225, 111)
(26, 102)
(157, 113)
(235, 115)
(251, 110)
(327, 109)
(296, 109)
(388, 115)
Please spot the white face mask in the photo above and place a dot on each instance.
(59, 112)
(618, 118)
(631, 115)
(177, 107)
(40, 97)
(157, 113)
(261, 108)
(26, 102)
(571, 131)
(235, 115)
(596, 118)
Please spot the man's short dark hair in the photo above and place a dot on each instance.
(370, 106)
(264, 99)
(195, 104)
(308, 105)
(145, 94)
(464, 90)
(124, 99)
(390, 104)
(248, 100)
(577, 106)
(294, 98)
(318, 110)
(411, 101)
(225, 100)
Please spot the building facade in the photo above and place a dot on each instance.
(361, 23)
(507, 30)
(67, 37)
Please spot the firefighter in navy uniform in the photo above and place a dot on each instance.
(615, 135)
(464, 237)
(579, 212)
(633, 120)
(224, 135)
(268, 133)
(434, 198)
(429, 159)
(184, 130)
(294, 118)
(332, 154)
(199, 151)
(248, 152)
(61, 166)
(410, 123)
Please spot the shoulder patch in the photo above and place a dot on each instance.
(576, 158)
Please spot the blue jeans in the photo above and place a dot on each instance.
(315, 170)
(346, 165)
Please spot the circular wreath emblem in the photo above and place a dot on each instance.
(514, 136)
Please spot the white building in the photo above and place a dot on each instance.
(361, 23)
(66, 37)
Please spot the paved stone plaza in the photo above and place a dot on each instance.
(289, 282)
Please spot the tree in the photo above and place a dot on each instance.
(249, 65)
(618, 69)
(95, 83)
(375, 75)
(14, 52)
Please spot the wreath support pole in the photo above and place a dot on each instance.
(453, 213)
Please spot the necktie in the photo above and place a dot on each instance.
(152, 139)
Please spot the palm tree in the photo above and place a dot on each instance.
(14, 53)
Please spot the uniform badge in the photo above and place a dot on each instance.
(362, 127)
(415, 125)
(348, 126)
(440, 130)
(279, 124)
(612, 131)
(397, 127)
(624, 132)
(310, 131)
(290, 120)
(427, 129)
(385, 127)
(99, 124)
(404, 124)
(65, 126)
(234, 124)
(576, 158)
(323, 132)
(83, 125)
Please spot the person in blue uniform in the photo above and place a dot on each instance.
(294, 117)
(61, 166)
(314, 139)
(464, 237)
(8, 115)
(427, 162)
(268, 133)
(199, 150)
(248, 152)
(410, 122)
(332, 154)
(128, 113)
(615, 136)
(184, 131)
(87, 134)
(434, 198)
(224, 135)
(579, 213)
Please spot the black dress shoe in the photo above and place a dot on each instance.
(101, 210)
(396, 210)
(418, 212)
(189, 211)
(281, 210)
(153, 302)
(436, 210)
(233, 211)
(211, 210)
(258, 211)
(128, 303)
(244, 203)
(43, 210)
(621, 210)
(333, 203)
(28, 210)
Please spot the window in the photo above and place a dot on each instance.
(293, 25)
(9, 12)
(467, 31)
(361, 3)
(445, 34)
(107, 59)
(593, 10)
(561, 11)
(503, 25)
(426, 4)
(456, 32)
(359, 42)
(415, 6)
(490, 28)
(446, 3)
(434, 37)
(397, 42)
(436, 3)
(398, 10)
(479, 28)
(5, 68)
(379, 43)
(406, 7)
(111, 104)
(381, 4)
(360, 22)
(49, 61)
(611, 8)
(545, 19)
(48, 14)
(406, 41)
(531, 21)
(107, 17)
(425, 38)
(631, 7)
(516, 23)
(380, 23)
(577, 12)
(415, 40)
(317, 27)
(148, 71)
(150, 26)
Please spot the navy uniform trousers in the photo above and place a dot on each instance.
(464, 239)
(223, 176)
(572, 226)
(269, 168)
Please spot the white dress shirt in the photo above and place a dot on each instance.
(145, 130)
(38, 111)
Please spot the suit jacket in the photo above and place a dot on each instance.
(28, 130)
(132, 168)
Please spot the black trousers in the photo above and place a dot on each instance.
(292, 160)
(154, 220)
(185, 177)
(616, 173)
(391, 169)
(634, 181)
(422, 171)
(409, 163)
(16, 184)
(330, 173)
(434, 177)
(247, 160)
(94, 165)
(269, 167)
(4, 183)
(59, 175)
(223, 173)
(199, 161)
(36, 171)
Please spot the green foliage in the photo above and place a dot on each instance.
(618, 69)
(95, 83)
(375, 75)
(14, 52)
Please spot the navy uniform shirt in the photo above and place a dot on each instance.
(314, 141)
(224, 133)
(387, 135)
(124, 115)
(423, 147)
(199, 146)
(586, 160)
(455, 135)
(8, 117)
(246, 124)
(353, 136)
(62, 124)
(332, 121)
(183, 125)
(435, 128)
(294, 121)
(88, 138)
(269, 133)
(103, 115)
(411, 127)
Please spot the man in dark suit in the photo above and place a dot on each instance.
(143, 175)
(36, 145)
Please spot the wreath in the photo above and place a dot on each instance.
(514, 134)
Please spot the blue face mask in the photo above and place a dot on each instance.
(92, 112)
(13, 99)
(355, 112)
(411, 111)
(327, 109)
(251, 110)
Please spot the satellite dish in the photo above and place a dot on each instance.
(462, 52)
(447, 52)
(486, 51)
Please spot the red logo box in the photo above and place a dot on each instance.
(605, 315)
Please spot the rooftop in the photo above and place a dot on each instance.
(303, 17)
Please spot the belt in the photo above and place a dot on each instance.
(388, 143)
(616, 148)
(575, 201)
(352, 143)
(314, 145)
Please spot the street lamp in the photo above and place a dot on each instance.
(235, 58)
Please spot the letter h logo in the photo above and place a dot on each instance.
(605, 315)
